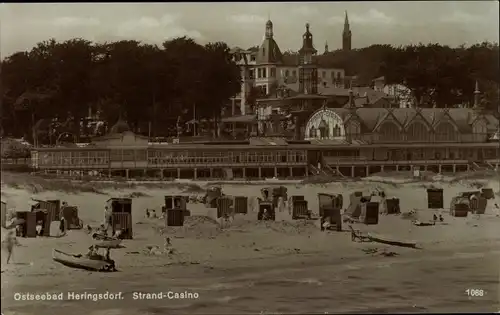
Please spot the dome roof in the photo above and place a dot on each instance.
(269, 23)
(121, 126)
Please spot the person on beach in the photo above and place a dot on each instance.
(91, 252)
(39, 227)
(108, 254)
(107, 219)
(9, 243)
(167, 246)
(62, 225)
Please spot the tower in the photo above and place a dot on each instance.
(308, 71)
(346, 35)
(477, 95)
(326, 48)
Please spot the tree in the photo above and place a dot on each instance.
(222, 78)
(74, 60)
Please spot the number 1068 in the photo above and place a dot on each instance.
(474, 292)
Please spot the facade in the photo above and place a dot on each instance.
(267, 68)
(343, 141)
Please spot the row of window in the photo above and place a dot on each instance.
(262, 73)
(435, 154)
(165, 157)
(251, 158)
(49, 159)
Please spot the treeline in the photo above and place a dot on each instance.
(437, 75)
(52, 87)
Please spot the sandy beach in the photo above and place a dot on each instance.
(264, 267)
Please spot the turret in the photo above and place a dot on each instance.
(308, 72)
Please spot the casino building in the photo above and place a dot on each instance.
(352, 142)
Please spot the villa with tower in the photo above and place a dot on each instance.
(267, 68)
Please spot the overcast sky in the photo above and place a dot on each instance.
(243, 24)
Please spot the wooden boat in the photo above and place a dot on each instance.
(418, 223)
(389, 241)
(96, 263)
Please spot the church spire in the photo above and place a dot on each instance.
(346, 34)
(346, 23)
(269, 29)
(326, 48)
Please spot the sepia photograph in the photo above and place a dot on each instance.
(250, 158)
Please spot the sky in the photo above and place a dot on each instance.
(242, 24)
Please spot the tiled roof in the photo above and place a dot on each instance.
(290, 60)
(333, 91)
(372, 117)
(269, 52)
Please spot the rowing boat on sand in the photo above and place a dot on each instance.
(390, 241)
(95, 263)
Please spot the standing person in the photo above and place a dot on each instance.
(9, 243)
(107, 219)
(62, 225)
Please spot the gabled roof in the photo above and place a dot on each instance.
(371, 118)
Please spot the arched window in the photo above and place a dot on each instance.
(389, 131)
(312, 132)
(287, 73)
(479, 127)
(445, 131)
(417, 131)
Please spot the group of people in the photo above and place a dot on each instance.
(435, 218)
